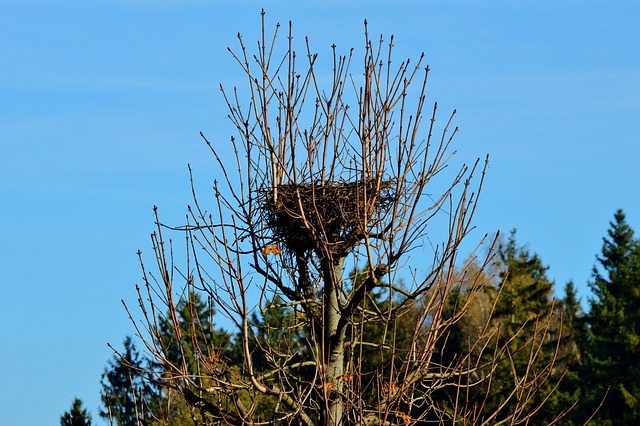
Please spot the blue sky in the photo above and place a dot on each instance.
(101, 104)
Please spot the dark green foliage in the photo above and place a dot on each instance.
(571, 306)
(379, 340)
(276, 330)
(569, 356)
(125, 395)
(529, 329)
(462, 347)
(77, 416)
(512, 314)
(512, 331)
(186, 338)
(132, 391)
(526, 291)
(196, 325)
(612, 343)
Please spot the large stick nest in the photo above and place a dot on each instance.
(335, 214)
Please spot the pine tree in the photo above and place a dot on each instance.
(529, 330)
(527, 291)
(612, 344)
(195, 318)
(570, 358)
(571, 304)
(131, 399)
(277, 329)
(469, 308)
(573, 324)
(125, 396)
(193, 324)
(77, 416)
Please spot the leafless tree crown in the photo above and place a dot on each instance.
(332, 185)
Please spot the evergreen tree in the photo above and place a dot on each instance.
(131, 384)
(571, 305)
(569, 356)
(377, 345)
(276, 328)
(512, 313)
(469, 308)
(77, 416)
(197, 330)
(573, 327)
(529, 330)
(527, 292)
(524, 304)
(125, 395)
(194, 337)
(612, 344)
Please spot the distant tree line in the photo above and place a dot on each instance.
(595, 376)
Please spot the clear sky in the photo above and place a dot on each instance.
(101, 104)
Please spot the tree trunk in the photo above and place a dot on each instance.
(334, 339)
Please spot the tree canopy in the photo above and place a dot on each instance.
(77, 416)
(306, 248)
(611, 346)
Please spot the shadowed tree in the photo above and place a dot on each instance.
(512, 336)
(126, 396)
(529, 324)
(570, 356)
(612, 345)
(77, 416)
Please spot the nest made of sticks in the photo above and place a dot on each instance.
(338, 213)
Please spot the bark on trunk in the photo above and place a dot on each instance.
(334, 344)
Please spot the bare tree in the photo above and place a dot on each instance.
(333, 173)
